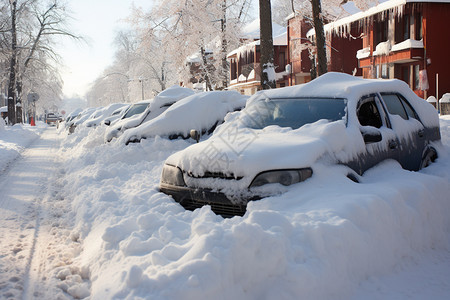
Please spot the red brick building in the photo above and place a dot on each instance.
(403, 39)
(245, 66)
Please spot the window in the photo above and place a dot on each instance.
(406, 25)
(405, 74)
(409, 110)
(395, 106)
(384, 71)
(281, 61)
(368, 113)
(418, 27)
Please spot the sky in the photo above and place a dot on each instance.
(97, 21)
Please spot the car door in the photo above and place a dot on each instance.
(381, 142)
(409, 130)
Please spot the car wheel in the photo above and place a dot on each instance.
(429, 157)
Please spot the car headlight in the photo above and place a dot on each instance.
(284, 177)
(172, 175)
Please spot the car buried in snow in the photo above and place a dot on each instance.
(283, 136)
(146, 110)
(201, 112)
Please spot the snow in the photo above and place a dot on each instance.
(431, 99)
(382, 48)
(363, 53)
(101, 229)
(445, 98)
(407, 44)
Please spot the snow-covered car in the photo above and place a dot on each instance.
(116, 115)
(80, 118)
(101, 114)
(201, 112)
(144, 111)
(283, 136)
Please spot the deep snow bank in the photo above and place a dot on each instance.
(317, 241)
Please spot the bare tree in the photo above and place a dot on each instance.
(33, 24)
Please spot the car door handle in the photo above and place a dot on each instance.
(421, 133)
(393, 145)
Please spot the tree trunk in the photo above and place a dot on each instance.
(266, 44)
(12, 68)
(320, 38)
(205, 70)
(224, 71)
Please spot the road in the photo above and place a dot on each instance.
(29, 212)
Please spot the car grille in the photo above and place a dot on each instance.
(223, 209)
(217, 175)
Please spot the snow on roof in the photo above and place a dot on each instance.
(4, 109)
(342, 26)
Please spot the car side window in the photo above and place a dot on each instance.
(394, 105)
(368, 113)
(409, 110)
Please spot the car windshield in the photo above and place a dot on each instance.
(135, 109)
(296, 112)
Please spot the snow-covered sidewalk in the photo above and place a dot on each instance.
(28, 224)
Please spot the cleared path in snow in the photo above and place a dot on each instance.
(23, 186)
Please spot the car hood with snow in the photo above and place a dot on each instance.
(201, 112)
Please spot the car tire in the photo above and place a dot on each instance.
(428, 158)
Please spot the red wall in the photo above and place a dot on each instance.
(437, 45)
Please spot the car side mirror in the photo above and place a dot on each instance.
(195, 135)
(107, 122)
(371, 136)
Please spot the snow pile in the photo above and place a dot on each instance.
(14, 139)
(318, 240)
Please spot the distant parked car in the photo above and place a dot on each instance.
(51, 119)
(283, 135)
(144, 111)
(201, 112)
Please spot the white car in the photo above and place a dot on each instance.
(201, 112)
(144, 111)
(283, 136)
